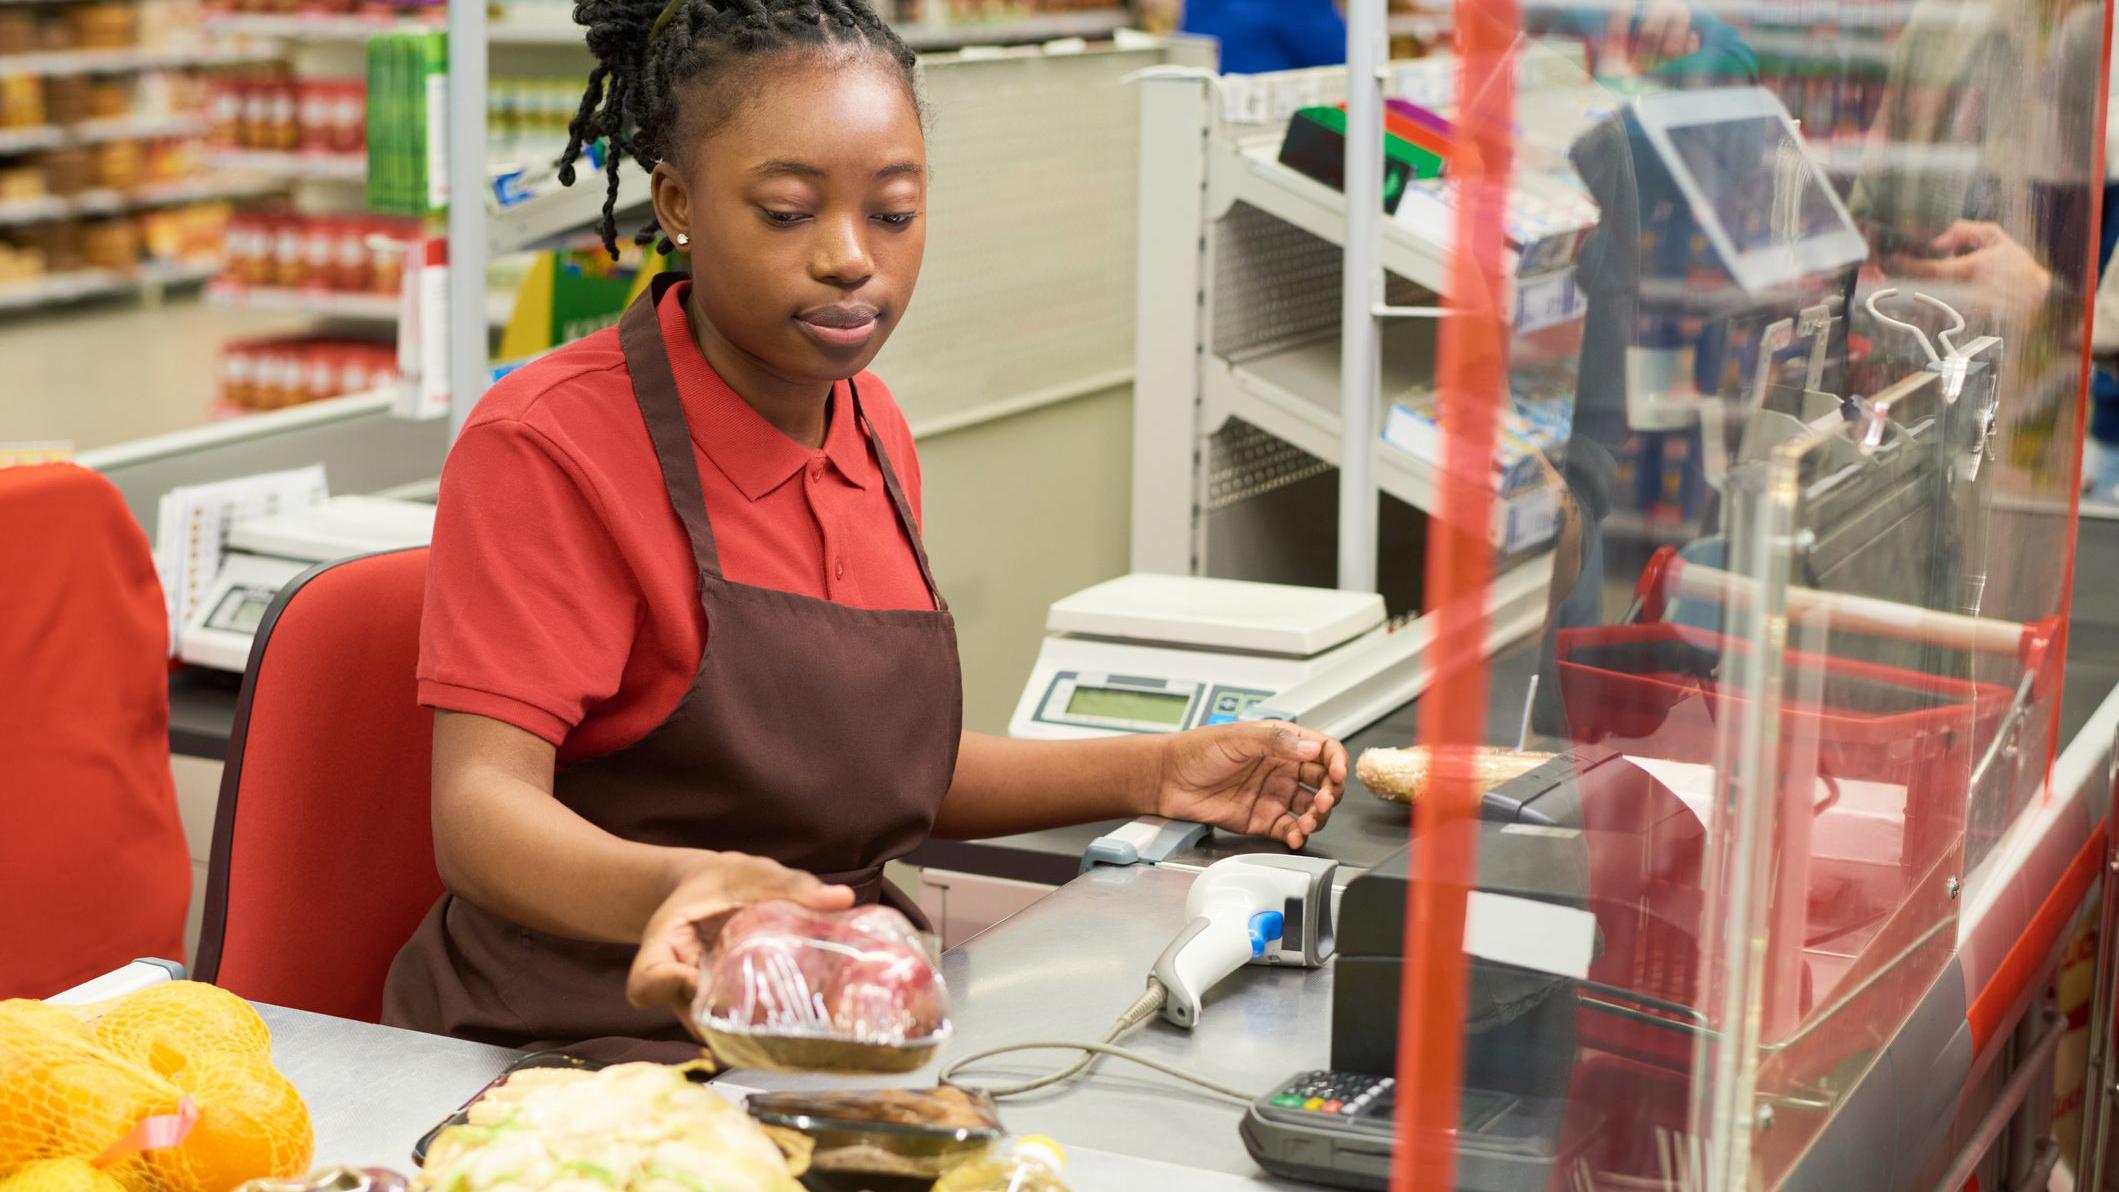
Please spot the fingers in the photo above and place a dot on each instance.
(1963, 268)
(759, 879)
(1664, 33)
(658, 978)
(1965, 236)
(1288, 742)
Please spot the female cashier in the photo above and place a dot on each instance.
(681, 636)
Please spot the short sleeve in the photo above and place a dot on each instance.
(530, 610)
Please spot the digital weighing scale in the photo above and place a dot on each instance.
(1148, 653)
(266, 552)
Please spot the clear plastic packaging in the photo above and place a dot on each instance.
(1030, 1164)
(886, 1132)
(793, 990)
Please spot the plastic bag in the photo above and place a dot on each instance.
(793, 990)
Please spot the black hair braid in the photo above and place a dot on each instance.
(650, 53)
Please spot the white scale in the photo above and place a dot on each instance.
(1150, 653)
(1161, 653)
(267, 552)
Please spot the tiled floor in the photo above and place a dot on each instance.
(106, 373)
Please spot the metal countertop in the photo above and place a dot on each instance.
(1064, 969)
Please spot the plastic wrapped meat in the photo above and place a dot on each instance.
(789, 989)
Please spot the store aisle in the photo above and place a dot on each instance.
(100, 375)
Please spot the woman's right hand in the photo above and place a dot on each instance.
(706, 885)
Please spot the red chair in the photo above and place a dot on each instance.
(93, 867)
(323, 856)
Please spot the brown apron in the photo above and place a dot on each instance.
(820, 735)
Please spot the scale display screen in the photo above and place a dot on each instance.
(1123, 703)
(241, 610)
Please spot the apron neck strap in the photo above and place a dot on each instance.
(655, 388)
(897, 497)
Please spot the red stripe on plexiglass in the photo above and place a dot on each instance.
(1471, 380)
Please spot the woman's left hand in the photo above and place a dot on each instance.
(1260, 778)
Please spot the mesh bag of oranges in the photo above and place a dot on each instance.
(170, 1089)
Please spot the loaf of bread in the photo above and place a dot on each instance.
(1400, 775)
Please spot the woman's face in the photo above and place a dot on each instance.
(805, 209)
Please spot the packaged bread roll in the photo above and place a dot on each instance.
(1400, 775)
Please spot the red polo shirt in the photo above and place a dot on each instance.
(561, 596)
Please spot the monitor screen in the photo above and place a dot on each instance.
(1763, 189)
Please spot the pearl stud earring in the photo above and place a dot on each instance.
(683, 241)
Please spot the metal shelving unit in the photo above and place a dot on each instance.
(1091, 24)
(81, 62)
(312, 27)
(1246, 305)
(95, 132)
(17, 212)
(83, 284)
(332, 304)
(293, 166)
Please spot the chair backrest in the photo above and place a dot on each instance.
(93, 867)
(323, 856)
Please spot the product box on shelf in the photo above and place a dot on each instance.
(349, 254)
(271, 374)
(408, 76)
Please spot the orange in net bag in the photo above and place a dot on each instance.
(170, 1089)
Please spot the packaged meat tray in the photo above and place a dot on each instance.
(793, 990)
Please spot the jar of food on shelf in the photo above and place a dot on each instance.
(21, 182)
(68, 171)
(387, 249)
(120, 165)
(18, 30)
(110, 99)
(112, 244)
(350, 268)
(67, 98)
(349, 116)
(21, 100)
(105, 26)
(290, 258)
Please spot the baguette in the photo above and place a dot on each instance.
(1400, 775)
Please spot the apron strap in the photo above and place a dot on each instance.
(655, 388)
(897, 498)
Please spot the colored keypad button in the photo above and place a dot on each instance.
(1287, 1099)
(1314, 1103)
(1333, 1106)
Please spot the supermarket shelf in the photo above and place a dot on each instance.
(303, 167)
(536, 26)
(1254, 176)
(91, 132)
(1826, 45)
(1848, 158)
(1092, 25)
(317, 27)
(16, 212)
(80, 62)
(1292, 393)
(539, 28)
(84, 284)
(560, 210)
(370, 308)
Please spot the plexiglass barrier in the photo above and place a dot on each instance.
(1812, 400)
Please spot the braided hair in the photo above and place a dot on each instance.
(650, 52)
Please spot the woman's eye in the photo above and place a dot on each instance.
(897, 219)
(783, 218)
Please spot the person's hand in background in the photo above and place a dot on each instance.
(1998, 275)
(1649, 35)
